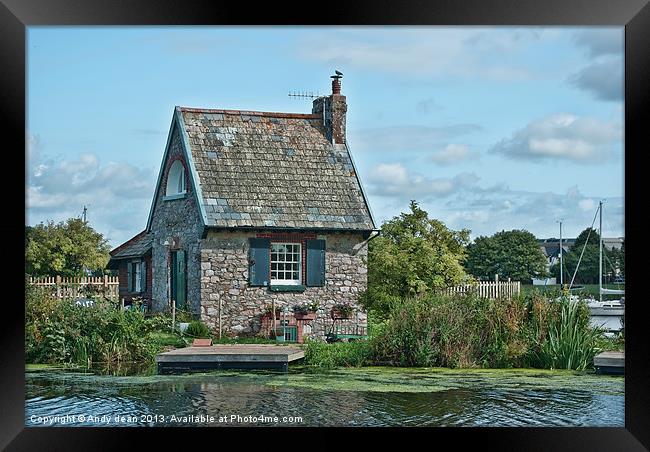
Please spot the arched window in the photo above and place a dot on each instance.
(176, 179)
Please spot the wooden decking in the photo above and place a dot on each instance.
(228, 356)
(610, 363)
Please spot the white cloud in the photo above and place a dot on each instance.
(587, 204)
(394, 180)
(395, 173)
(118, 195)
(452, 153)
(425, 52)
(562, 136)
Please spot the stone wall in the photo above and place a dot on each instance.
(224, 282)
(179, 220)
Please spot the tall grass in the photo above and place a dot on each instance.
(58, 331)
(453, 331)
(321, 355)
(466, 331)
(570, 343)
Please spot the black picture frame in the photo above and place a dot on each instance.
(15, 15)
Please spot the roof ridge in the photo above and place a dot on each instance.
(250, 113)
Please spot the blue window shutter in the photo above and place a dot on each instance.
(259, 262)
(129, 280)
(143, 277)
(181, 281)
(315, 262)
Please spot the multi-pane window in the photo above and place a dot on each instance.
(136, 273)
(285, 263)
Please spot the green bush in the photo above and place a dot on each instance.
(184, 315)
(59, 331)
(460, 331)
(322, 355)
(197, 329)
(467, 331)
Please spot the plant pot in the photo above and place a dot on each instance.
(182, 326)
(339, 315)
(307, 316)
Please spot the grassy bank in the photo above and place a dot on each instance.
(468, 332)
(60, 332)
(436, 331)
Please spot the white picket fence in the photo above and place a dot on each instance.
(77, 287)
(488, 289)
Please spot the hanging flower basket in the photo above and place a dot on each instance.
(305, 312)
(342, 311)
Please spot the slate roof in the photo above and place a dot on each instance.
(272, 170)
(135, 247)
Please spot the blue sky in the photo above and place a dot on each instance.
(487, 128)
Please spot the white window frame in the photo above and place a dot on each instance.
(176, 179)
(277, 263)
(136, 272)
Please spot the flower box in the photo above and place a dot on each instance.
(305, 316)
(336, 314)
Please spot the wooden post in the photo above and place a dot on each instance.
(173, 314)
(496, 283)
(220, 317)
(273, 317)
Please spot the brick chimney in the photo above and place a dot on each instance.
(333, 109)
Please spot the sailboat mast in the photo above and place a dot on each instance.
(561, 281)
(600, 256)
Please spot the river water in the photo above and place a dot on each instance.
(373, 396)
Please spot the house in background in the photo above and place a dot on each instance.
(551, 249)
(132, 260)
(250, 208)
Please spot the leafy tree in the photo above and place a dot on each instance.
(588, 270)
(66, 248)
(413, 255)
(594, 239)
(510, 254)
(589, 265)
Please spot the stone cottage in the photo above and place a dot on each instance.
(249, 208)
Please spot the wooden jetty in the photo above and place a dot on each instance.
(228, 356)
(612, 363)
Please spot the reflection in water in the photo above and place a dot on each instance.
(356, 397)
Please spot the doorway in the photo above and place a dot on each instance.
(179, 278)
